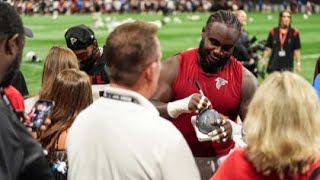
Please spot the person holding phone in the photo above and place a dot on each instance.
(21, 155)
(71, 93)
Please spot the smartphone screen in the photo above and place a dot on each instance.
(40, 112)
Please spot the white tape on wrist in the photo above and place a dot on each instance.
(236, 128)
(239, 142)
(237, 134)
(178, 107)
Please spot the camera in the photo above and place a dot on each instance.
(259, 46)
(254, 50)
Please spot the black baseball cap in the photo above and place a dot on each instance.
(28, 32)
(79, 37)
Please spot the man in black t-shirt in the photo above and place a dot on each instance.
(81, 40)
(21, 156)
(283, 44)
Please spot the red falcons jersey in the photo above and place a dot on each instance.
(223, 89)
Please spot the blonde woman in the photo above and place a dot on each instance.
(58, 59)
(282, 132)
(71, 92)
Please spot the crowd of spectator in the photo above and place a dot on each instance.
(30, 7)
(145, 122)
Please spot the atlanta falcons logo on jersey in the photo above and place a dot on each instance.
(220, 82)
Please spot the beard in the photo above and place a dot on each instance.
(11, 72)
(89, 63)
(208, 66)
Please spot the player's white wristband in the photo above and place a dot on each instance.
(237, 134)
(236, 128)
(239, 142)
(178, 107)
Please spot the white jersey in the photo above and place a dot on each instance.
(125, 138)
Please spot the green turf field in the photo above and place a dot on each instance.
(174, 37)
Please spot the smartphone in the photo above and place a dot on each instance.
(40, 112)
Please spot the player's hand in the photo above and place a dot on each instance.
(193, 103)
(198, 103)
(224, 132)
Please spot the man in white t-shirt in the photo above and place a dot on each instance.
(121, 135)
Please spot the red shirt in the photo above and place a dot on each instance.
(222, 89)
(15, 98)
(237, 166)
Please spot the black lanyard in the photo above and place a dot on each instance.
(119, 97)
